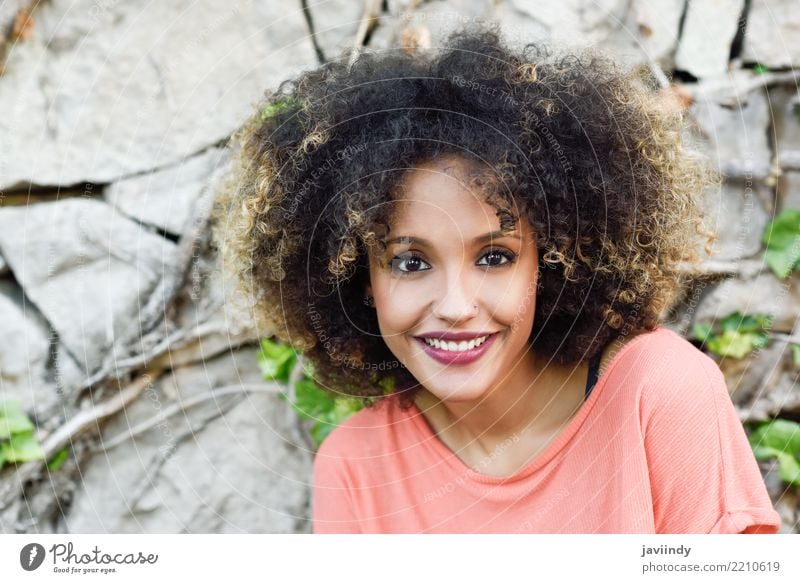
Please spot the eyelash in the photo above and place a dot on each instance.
(510, 256)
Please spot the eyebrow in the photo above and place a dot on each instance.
(481, 239)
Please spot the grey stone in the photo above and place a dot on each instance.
(735, 213)
(746, 379)
(229, 465)
(772, 37)
(108, 89)
(658, 23)
(67, 374)
(629, 32)
(763, 294)
(211, 303)
(734, 133)
(24, 352)
(785, 107)
(784, 103)
(776, 395)
(427, 25)
(166, 198)
(335, 25)
(86, 267)
(708, 32)
(789, 190)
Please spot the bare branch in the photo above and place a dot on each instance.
(67, 433)
(272, 388)
(372, 9)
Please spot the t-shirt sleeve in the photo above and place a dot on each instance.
(332, 502)
(703, 474)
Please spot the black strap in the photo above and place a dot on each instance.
(594, 368)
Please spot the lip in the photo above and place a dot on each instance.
(457, 358)
(455, 336)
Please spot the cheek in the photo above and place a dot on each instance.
(518, 304)
(397, 306)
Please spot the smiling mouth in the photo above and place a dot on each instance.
(462, 352)
(453, 346)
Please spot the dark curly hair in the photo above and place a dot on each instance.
(591, 154)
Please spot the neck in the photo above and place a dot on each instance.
(531, 399)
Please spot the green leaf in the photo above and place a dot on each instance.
(13, 419)
(344, 408)
(22, 447)
(739, 335)
(789, 469)
(782, 238)
(702, 332)
(796, 355)
(783, 229)
(779, 438)
(731, 344)
(782, 261)
(764, 453)
(387, 383)
(319, 431)
(780, 435)
(311, 401)
(58, 459)
(738, 322)
(324, 408)
(276, 360)
(275, 108)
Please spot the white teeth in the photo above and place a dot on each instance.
(456, 346)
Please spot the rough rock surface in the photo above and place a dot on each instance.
(165, 198)
(86, 267)
(772, 37)
(104, 90)
(708, 32)
(230, 464)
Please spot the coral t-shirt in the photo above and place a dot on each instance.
(656, 448)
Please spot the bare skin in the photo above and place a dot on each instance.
(499, 412)
(502, 456)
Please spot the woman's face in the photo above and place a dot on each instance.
(442, 274)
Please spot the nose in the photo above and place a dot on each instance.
(458, 302)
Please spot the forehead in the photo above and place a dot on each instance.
(443, 194)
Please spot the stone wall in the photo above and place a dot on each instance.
(119, 340)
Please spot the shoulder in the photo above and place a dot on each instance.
(661, 370)
(677, 379)
(655, 353)
(702, 471)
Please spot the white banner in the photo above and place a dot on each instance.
(400, 558)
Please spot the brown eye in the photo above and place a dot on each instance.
(497, 256)
(411, 263)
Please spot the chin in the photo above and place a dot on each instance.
(457, 394)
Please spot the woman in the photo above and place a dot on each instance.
(481, 242)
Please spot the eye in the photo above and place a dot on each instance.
(498, 255)
(412, 262)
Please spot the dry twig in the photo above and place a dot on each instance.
(372, 8)
(68, 432)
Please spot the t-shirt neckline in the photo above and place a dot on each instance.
(431, 440)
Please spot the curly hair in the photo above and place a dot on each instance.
(593, 155)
